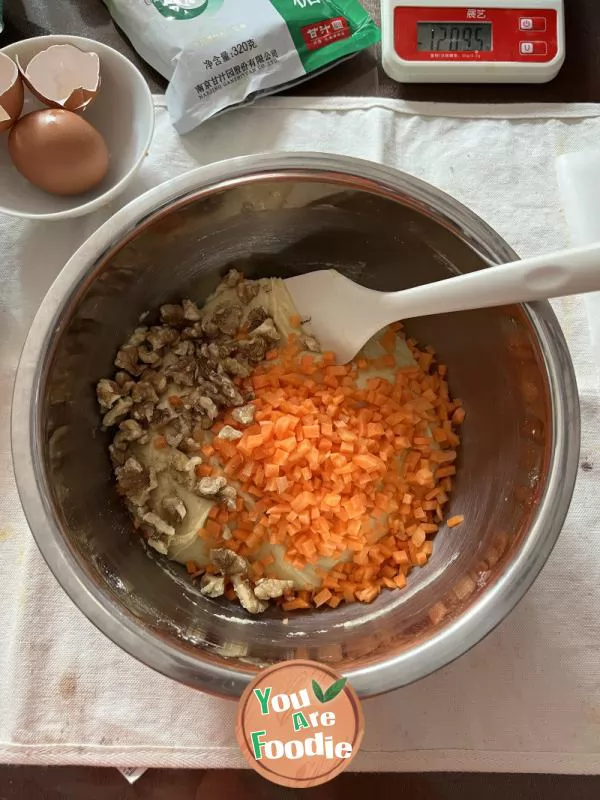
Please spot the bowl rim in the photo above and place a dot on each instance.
(110, 194)
(454, 638)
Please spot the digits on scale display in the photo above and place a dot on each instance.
(454, 36)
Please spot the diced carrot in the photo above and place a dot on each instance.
(245, 473)
(424, 477)
(225, 449)
(212, 527)
(311, 431)
(442, 456)
(421, 440)
(458, 416)
(281, 484)
(307, 364)
(260, 381)
(444, 472)
(336, 371)
(256, 570)
(355, 507)
(368, 462)
(284, 425)
(400, 580)
(322, 597)
(296, 604)
(452, 522)
(333, 468)
(367, 595)
(203, 470)
(302, 501)
(382, 501)
(232, 466)
(418, 537)
(279, 457)
(288, 445)
(281, 508)
(388, 340)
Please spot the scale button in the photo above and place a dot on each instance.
(533, 48)
(532, 24)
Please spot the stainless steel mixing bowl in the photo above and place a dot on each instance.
(280, 215)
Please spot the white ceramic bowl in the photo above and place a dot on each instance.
(123, 112)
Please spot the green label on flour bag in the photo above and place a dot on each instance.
(325, 30)
(219, 54)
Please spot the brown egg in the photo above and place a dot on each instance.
(11, 93)
(58, 151)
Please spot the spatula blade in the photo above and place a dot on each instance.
(333, 304)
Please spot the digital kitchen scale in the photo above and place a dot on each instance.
(445, 41)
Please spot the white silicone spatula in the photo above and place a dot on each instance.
(344, 315)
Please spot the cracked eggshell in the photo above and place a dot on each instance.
(11, 93)
(63, 76)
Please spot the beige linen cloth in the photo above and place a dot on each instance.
(525, 699)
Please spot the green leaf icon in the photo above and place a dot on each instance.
(332, 692)
(318, 692)
(335, 689)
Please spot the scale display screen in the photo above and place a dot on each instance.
(454, 37)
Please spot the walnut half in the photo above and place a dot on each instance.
(209, 487)
(228, 562)
(118, 412)
(270, 588)
(244, 414)
(247, 598)
(212, 585)
(229, 434)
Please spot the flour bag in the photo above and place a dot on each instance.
(218, 54)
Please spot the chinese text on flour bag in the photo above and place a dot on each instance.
(218, 54)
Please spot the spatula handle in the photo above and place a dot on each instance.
(554, 275)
